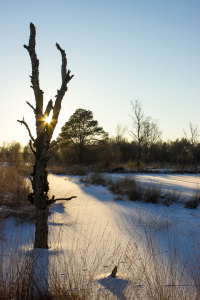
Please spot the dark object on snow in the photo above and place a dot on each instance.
(114, 272)
(31, 198)
(192, 204)
(118, 170)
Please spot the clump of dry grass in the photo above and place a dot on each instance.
(94, 178)
(70, 170)
(57, 170)
(162, 276)
(152, 194)
(194, 201)
(76, 170)
(97, 178)
(14, 190)
(128, 188)
(25, 275)
(135, 193)
(171, 197)
(121, 185)
(21, 286)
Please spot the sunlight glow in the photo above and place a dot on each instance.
(48, 119)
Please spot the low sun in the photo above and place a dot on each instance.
(48, 120)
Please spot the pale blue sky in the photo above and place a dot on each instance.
(117, 50)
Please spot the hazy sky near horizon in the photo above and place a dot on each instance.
(118, 51)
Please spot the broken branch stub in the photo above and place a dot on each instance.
(114, 272)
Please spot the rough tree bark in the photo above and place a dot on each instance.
(41, 144)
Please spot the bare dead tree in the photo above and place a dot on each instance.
(137, 127)
(192, 141)
(41, 144)
(120, 132)
(151, 134)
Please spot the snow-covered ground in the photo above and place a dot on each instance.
(93, 233)
(185, 184)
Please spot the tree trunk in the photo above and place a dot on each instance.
(150, 153)
(41, 144)
(41, 187)
(42, 210)
(41, 228)
(81, 157)
(138, 160)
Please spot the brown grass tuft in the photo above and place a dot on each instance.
(70, 170)
(194, 201)
(14, 190)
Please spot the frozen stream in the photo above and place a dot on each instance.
(93, 233)
(100, 227)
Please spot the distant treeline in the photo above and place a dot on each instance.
(14, 152)
(111, 150)
(83, 142)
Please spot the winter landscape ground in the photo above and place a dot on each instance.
(155, 247)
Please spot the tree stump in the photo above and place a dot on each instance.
(114, 272)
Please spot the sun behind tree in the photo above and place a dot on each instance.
(48, 119)
(42, 143)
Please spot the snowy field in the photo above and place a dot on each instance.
(90, 235)
(185, 184)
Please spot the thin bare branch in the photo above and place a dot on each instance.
(31, 106)
(64, 62)
(60, 93)
(48, 158)
(48, 108)
(53, 145)
(35, 77)
(31, 146)
(67, 199)
(23, 122)
(65, 74)
(53, 200)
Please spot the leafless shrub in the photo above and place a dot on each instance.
(135, 193)
(194, 201)
(57, 170)
(70, 170)
(94, 178)
(98, 178)
(152, 194)
(85, 180)
(171, 197)
(76, 170)
(124, 186)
